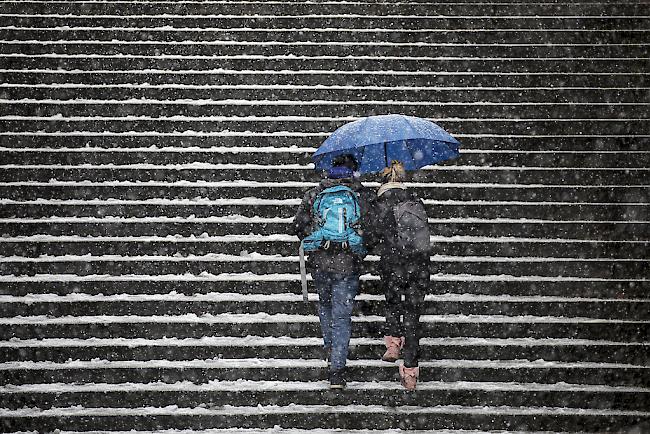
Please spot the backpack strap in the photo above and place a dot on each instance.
(303, 272)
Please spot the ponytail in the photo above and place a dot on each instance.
(394, 173)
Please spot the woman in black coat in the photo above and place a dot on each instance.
(404, 273)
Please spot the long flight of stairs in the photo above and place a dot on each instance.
(153, 153)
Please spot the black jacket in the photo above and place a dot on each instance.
(333, 261)
(384, 236)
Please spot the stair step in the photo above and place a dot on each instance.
(495, 142)
(60, 350)
(261, 173)
(252, 207)
(458, 8)
(319, 416)
(154, 108)
(618, 230)
(302, 77)
(192, 325)
(373, 63)
(638, 126)
(169, 210)
(579, 375)
(355, 49)
(178, 157)
(259, 90)
(144, 304)
(242, 392)
(351, 22)
(523, 267)
(291, 190)
(249, 283)
(37, 245)
(545, 35)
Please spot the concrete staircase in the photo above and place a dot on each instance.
(153, 153)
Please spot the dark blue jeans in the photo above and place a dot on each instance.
(336, 294)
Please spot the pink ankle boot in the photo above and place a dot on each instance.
(393, 348)
(409, 376)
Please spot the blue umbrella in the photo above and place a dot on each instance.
(377, 140)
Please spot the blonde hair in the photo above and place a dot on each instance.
(394, 173)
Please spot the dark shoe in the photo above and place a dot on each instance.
(337, 379)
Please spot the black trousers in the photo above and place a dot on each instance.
(405, 281)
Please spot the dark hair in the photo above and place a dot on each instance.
(346, 160)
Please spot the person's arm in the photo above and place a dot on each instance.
(369, 221)
(302, 222)
(386, 228)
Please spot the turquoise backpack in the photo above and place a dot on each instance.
(337, 214)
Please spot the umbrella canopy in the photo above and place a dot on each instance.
(377, 140)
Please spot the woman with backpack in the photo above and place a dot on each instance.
(402, 240)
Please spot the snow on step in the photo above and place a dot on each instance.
(157, 201)
(316, 136)
(255, 238)
(290, 297)
(152, 149)
(294, 57)
(265, 72)
(235, 218)
(286, 118)
(286, 341)
(197, 165)
(239, 183)
(251, 277)
(227, 42)
(189, 149)
(220, 363)
(295, 386)
(266, 318)
(228, 410)
(204, 201)
(333, 29)
(318, 16)
(281, 102)
(192, 133)
(256, 257)
(158, 219)
(231, 43)
(276, 86)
